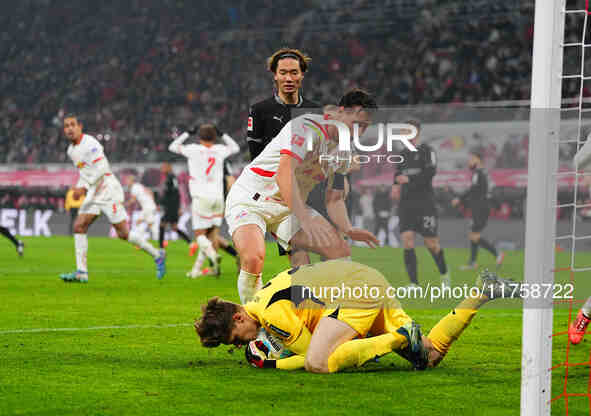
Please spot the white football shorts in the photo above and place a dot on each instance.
(245, 207)
(207, 212)
(106, 198)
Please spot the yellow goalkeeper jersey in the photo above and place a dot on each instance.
(292, 303)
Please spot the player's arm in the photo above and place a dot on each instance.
(396, 183)
(177, 144)
(426, 175)
(281, 320)
(231, 146)
(337, 212)
(335, 204)
(467, 194)
(255, 137)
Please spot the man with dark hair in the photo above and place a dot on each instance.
(19, 245)
(270, 193)
(103, 195)
(206, 167)
(267, 117)
(326, 332)
(171, 202)
(476, 199)
(417, 211)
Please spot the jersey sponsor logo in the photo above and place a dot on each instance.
(279, 119)
(250, 124)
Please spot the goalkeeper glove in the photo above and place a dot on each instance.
(256, 354)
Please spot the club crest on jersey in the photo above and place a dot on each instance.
(242, 214)
(80, 165)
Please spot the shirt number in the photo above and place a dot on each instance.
(210, 163)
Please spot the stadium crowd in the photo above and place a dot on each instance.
(136, 69)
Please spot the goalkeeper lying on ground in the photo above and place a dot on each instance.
(327, 333)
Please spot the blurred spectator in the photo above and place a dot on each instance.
(133, 86)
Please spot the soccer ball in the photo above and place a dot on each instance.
(275, 348)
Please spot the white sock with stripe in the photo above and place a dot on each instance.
(206, 246)
(81, 248)
(136, 238)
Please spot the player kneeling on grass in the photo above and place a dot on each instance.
(328, 334)
(104, 194)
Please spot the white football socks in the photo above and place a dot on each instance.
(248, 285)
(587, 308)
(206, 246)
(136, 238)
(155, 229)
(81, 248)
(199, 261)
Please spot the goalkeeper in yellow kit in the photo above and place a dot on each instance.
(335, 315)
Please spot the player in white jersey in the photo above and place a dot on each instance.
(104, 194)
(206, 186)
(145, 197)
(270, 193)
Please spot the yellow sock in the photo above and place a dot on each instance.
(356, 352)
(453, 324)
(291, 363)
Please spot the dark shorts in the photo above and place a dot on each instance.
(479, 219)
(171, 214)
(420, 218)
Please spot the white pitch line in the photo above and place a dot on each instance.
(92, 328)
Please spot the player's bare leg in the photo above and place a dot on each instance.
(227, 247)
(250, 244)
(432, 244)
(335, 246)
(81, 225)
(410, 256)
(137, 238)
(333, 347)
(328, 335)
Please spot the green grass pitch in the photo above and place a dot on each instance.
(123, 344)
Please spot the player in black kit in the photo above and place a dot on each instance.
(267, 118)
(170, 201)
(417, 211)
(476, 198)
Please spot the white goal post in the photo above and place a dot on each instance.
(541, 204)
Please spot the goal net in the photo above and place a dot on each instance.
(556, 375)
